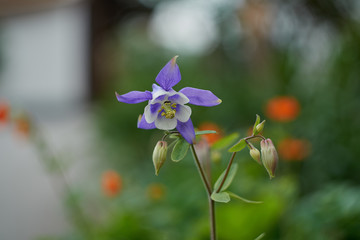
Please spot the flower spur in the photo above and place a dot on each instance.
(166, 108)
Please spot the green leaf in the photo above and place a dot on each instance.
(229, 178)
(238, 146)
(257, 121)
(260, 236)
(174, 135)
(225, 141)
(180, 149)
(243, 199)
(205, 132)
(220, 197)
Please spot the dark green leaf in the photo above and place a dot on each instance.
(238, 146)
(229, 178)
(243, 199)
(180, 149)
(220, 197)
(225, 141)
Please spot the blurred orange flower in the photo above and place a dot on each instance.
(4, 112)
(156, 191)
(22, 125)
(282, 109)
(111, 183)
(291, 149)
(211, 138)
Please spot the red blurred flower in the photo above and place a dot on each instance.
(4, 112)
(211, 138)
(111, 183)
(282, 109)
(291, 149)
(156, 191)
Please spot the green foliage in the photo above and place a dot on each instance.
(205, 132)
(225, 141)
(223, 197)
(242, 198)
(229, 178)
(180, 150)
(331, 213)
(257, 121)
(238, 146)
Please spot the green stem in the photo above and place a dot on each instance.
(227, 172)
(201, 171)
(255, 136)
(232, 159)
(208, 191)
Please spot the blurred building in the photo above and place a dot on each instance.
(43, 70)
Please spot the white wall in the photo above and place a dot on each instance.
(44, 71)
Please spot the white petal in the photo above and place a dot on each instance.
(157, 92)
(178, 98)
(183, 113)
(151, 112)
(165, 123)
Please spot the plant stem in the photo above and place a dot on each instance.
(254, 136)
(201, 171)
(208, 191)
(212, 218)
(232, 159)
(227, 172)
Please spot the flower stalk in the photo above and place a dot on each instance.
(208, 189)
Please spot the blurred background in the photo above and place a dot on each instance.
(73, 165)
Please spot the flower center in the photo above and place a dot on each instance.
(168, 109)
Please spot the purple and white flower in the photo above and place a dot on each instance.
(166, 108)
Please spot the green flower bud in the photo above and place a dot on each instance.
(259, 127)
(255, 154)
(269, 156)
(159, 155)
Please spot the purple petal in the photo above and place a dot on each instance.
(186, 130)
(143, 124)
(201, 97)
(134, 97)
(169, 76)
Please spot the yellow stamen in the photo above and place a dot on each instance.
(168, 111)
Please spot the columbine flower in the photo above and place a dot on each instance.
(269, 156)
(166, 108)
(159, 155)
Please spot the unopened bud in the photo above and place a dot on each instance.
(159, 155)
(269, 156)
(255, 154)
(259, 127)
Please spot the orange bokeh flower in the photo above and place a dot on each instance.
(156, 191)
(282, 109)
(111, 183)
(22, 125)
(4, 112)
(291, 149)
(211, 138)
